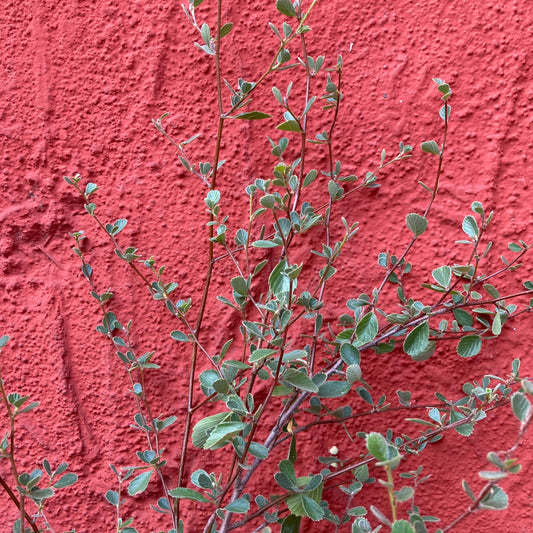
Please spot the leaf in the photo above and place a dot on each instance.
(312, 509)
(521, 406)
(4, 340)
(66, 481)
(416, 223)
(41, 494)
(240, 505)
(223, 433)
(495, 500)
(260, 354)
(365, 395)
(278, 282)
(492, 475)
(138, 484)
(182, 493)
(377, 445)
(367, 329)
(309, 178)
(252, 115)
(463, 318)
(300, 380)
(291, 524)
(353, 373)
(404, 397)
(226, 29)
(404, 494)
(265, 244)
(442, 276)
(179, 336)
(497, 324)
(202, 479)
(514, 247)
(112, 497)
(204, 427)
(470, 227)
(469, 346)
(430, 147)
(290, 125)
(350, 354)
(333, 389)
(465, 429)
(443, 111)
(258, 450)
(417, 340)
(285, 7)
(402, 526)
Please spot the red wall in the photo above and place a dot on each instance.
(80, 83)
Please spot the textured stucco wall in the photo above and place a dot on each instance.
(80, 83)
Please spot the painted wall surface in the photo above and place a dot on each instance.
(81, 81)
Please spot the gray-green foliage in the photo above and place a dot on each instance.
(305, 375)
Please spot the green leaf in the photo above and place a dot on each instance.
(312, 509)
(252, 115)
(353, 373)
(66, 481)
(226, 29)
(291, 524)
(402, 526)
(417, 340)
(497, 324)
(258, 450)
(365, 395)
(265, 244)
(309, 178)
(260, 354)
(469, 346)
(41, 494)
(112, 497)
(443, 276)
(139, 483)
(470, 227)
(404, 494)
(240, 286)
(404, 397)
(430, 147)
(495, 500)
(416, 223)
(377, 445)
(465, 429)
(300, 380)
(285, 7)
(179, 336)
(350, 354)
(290, 125)
(514, 247)
(521, 406)
(4, 340)
(203, 428)
(240, 505)
(367, 329)
(463, 318)
(334, 389)
(182, 493)
(442, 112)
(278, 282)
(223, 433)
(492, 475)
(201, 479)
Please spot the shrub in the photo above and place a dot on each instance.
(298, 363)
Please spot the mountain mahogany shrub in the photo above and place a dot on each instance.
(288, 359)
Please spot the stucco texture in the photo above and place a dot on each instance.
(80, 82)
